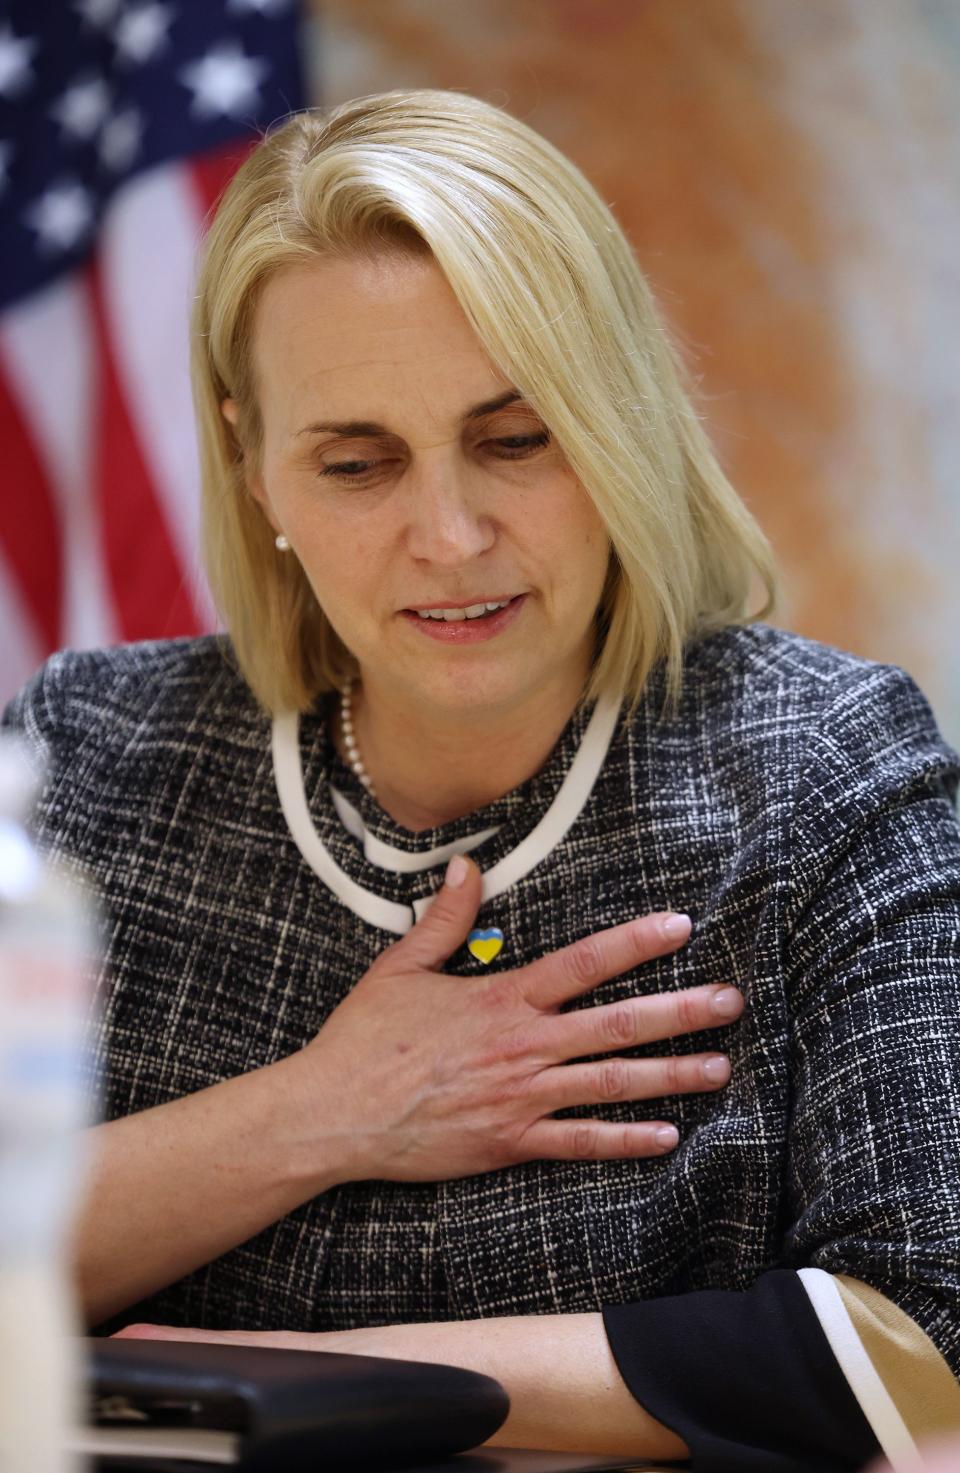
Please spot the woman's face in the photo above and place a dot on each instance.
(403, 481)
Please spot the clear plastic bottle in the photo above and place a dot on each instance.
(47, 944)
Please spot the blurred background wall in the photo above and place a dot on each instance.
(789, 176)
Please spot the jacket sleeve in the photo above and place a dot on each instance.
(853, 1345)
(28, 716)
(62, 714)
(58, 707)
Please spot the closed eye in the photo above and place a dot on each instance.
(351, 469)
(515, 446)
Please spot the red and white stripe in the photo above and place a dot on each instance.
(99, 488)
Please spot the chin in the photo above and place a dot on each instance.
(478, 690)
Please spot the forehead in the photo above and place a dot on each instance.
(362, 336)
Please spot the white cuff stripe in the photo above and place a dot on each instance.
(875, 1401)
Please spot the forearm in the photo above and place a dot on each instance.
(565, 1391)
(173, 1187)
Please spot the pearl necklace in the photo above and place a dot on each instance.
(353, 751)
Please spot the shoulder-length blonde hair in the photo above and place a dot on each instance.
(548, 281)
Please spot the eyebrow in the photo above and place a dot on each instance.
(353, 428)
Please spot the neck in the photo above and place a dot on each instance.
(431, 767)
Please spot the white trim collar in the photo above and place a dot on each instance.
(401, 861)
(563, 812)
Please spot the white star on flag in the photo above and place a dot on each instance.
(141, 33)
(97, 12)
(225, 81)
(120, 139)
(15, 71)
(62, 216)
(256, 7)
(83, 107)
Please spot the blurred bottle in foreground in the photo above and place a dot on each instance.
(940, 1455)
(47, 942)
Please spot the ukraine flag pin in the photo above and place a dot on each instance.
(485, 945)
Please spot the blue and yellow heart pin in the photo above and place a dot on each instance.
(485, 945)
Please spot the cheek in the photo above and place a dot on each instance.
(586, 540)
(345, 570)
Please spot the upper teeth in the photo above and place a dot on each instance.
(472, 611)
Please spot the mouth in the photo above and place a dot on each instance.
(465, 623)
(474, 608)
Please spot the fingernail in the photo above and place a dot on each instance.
(716, 1070)
(456, 872)
(727, 1002)
(667, 1137)
(676, 926)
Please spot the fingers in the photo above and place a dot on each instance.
(282, 1339)
(568, 1085)
(155, 1332)
(637, 1020)
(574, 970)
(597, 1140)
(449, 920)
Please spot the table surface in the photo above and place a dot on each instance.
(491, 1460)
(507, 1460)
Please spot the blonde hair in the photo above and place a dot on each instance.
(547, 280)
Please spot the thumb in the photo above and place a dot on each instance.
(449, 920)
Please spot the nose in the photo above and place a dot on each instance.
(447, 522)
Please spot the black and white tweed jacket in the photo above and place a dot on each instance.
(805, 1235)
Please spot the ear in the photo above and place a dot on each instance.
(228, 408)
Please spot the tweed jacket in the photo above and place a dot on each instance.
(799, 806)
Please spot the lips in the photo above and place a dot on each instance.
(462, 603)
(466, 631)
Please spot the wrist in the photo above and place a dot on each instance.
(312, 1137)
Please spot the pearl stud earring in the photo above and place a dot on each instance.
(283, 543)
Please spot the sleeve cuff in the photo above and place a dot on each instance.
(747, 1379)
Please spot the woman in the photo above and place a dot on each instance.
(450, 471)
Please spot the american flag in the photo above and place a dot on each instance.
(120, 123)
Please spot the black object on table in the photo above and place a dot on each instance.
(260, 1410)
(486, 1460)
